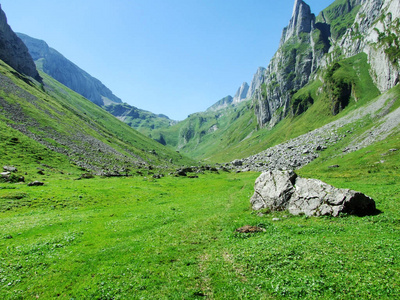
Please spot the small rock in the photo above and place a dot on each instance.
(36, 183)
(5, 174)
(10, 169)
(334, 166)
(237, 163)
(249, 229)
(276, 219)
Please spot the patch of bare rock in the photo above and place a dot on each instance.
(285, 190)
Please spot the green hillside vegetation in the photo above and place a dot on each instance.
(143, 121)
(66, 122)
(340, 15)
(174, 238)
(347, 82)
(202, 135)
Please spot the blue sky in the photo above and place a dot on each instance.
(174, 57)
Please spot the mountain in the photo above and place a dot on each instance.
(46, 126)
(14, 52)
(143, 121)
(57, 66)
(344, 29)
(53, 63)
(325, 67)
(241, 93)
(221, 104)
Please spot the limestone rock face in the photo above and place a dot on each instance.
(302, 21)
(284, 190)
(290, 68)
(375, 22)
(241, 93)
(57, 66)
(273, 190)
(14, 52)
(256, 82)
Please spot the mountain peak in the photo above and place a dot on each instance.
(241, 93)
(302, 21)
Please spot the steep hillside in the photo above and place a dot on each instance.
(323, 69)
(143, 121)
(72, 126)
(53, 63)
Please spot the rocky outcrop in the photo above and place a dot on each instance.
(300, 151)
(13, 51)
(376, 31)
(57, 66)
(241, 93)
(284, 190)
(221, 104)
(347, 27)
(302, 21)
(301, 46)
(256, 82)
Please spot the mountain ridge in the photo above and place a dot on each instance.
(14, 52)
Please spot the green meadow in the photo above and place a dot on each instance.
(174, 238)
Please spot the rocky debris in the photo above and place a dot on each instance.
(291, 155)
(158, 176)
(36, 183)
(250, 229)
(303, 149)
(10, 169)
(284, 190)
(14, 52)
(5, 175)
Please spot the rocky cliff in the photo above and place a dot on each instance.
(241, 93)
(57, 66)
(13, 51)
(301, 47)
(376, 31)
(344, 29)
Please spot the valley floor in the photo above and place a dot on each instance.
(174, 238)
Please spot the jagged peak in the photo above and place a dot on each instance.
(241, 93)
(302, 21)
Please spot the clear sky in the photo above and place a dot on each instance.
(174, 57)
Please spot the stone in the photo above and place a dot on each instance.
(250, 229)
(10, 169)
(237, 162)
(36, 183)
(284, 190)
(5, 174)
(273, 190)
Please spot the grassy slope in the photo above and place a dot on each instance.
(65, 114)
(143, 121)
(174, 238)
(238, 137)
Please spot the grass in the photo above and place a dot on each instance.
(174, 238)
